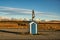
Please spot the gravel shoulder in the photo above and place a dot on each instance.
(41, 35)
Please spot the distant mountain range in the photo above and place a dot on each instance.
(25, 19)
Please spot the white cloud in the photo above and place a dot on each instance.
(13, 10)
(3, 13)
(19, 11)
(48, 15)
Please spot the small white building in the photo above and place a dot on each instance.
(33, 28)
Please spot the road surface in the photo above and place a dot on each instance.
(7, 34)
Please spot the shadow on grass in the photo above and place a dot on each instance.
(20, 33)
(10, 32)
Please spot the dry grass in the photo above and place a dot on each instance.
(25, 25)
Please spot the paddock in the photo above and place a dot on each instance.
(25, 25)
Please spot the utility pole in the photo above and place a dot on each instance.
(33, 15)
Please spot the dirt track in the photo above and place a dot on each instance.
(42, 35)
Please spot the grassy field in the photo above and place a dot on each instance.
(20, 30)
(25, 25)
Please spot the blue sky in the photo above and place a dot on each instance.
(44, 9)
